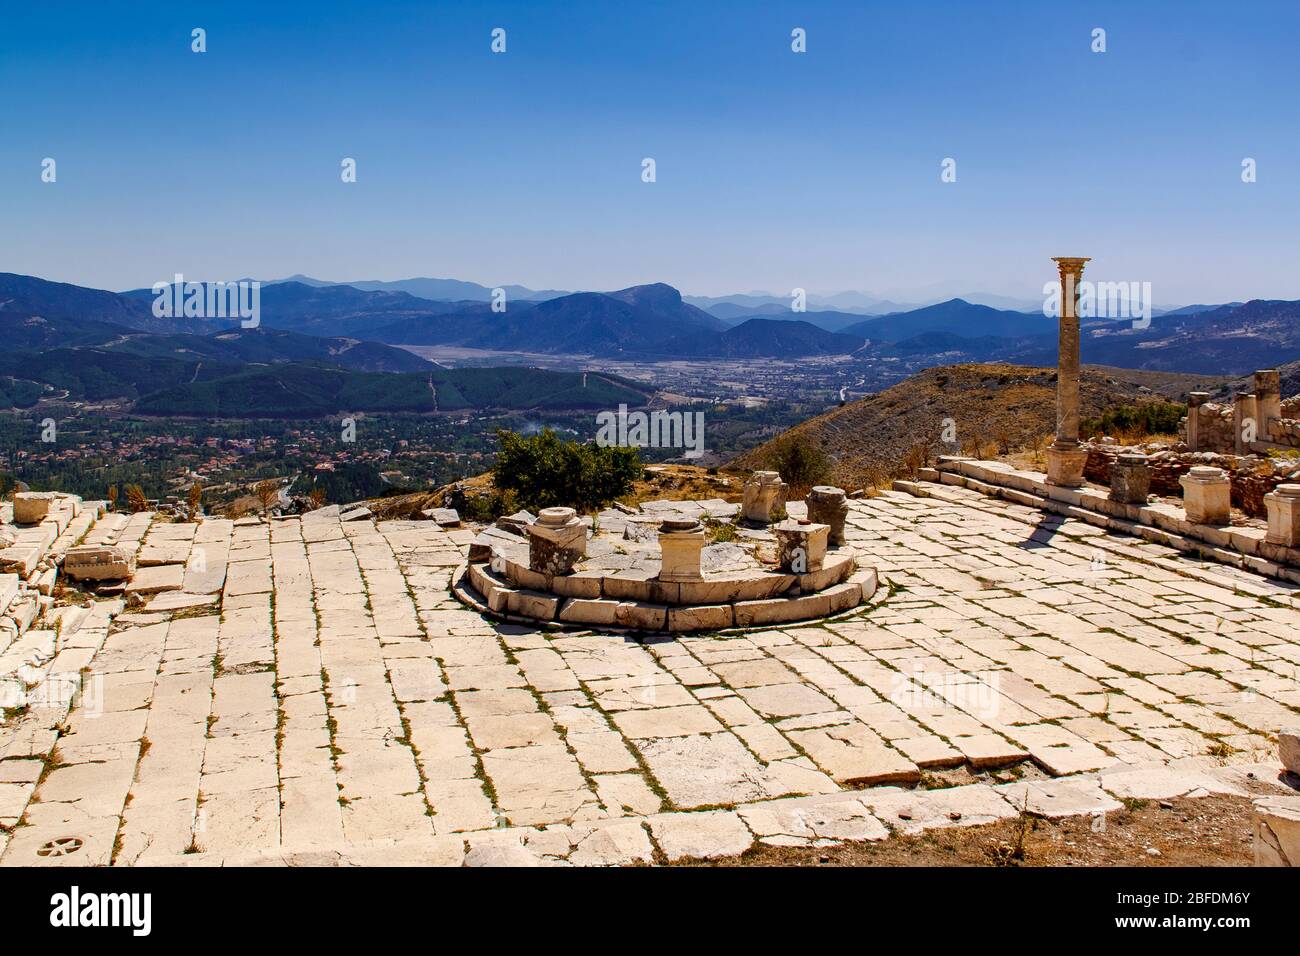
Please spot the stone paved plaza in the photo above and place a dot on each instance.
(344, 707)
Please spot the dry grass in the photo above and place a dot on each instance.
(994, 410)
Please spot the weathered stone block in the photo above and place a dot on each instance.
(801, 545)
(31, 507)
(1207, 495)
(842, 597)
(680, 542)
(780, 610)
(628, 586)
(764, 494)
(583, 584)
(557, 541)
(588, 611)
(1283, 508)
(1130, 479)
(641, 617)
(829, 506)
(709, 617)
(162, 577)
(95, 562)
(1065, 465)
(835, 568)
(1288, 748)
(1277, 831)
(443, 517)
(533, 604)
(735, 587)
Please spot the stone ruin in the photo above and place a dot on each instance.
(1230, 437)
(1259, 474)
(764, 496)
(1257, 421)
(653, 568)
(829, 506)
(39, 539)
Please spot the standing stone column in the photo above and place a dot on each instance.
(1194, 402)
(1065, 458)
(1268, 400)
(1245, 422)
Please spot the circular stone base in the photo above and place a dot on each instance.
(635, 599)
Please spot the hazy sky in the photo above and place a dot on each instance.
(774, 169)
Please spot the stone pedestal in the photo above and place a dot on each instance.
(1193, 433)
(1065, 463)
(1283, 507)
(801, 545)
(680, 542)
(1207, 495)
(764, 494)
(557, 541)
(829, 506)
(1130, 479)
(1065, 459)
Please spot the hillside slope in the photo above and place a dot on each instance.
(304, 390)
(1010, 405)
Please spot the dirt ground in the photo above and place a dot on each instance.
(1206, 831)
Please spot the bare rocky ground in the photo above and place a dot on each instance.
(308, 691)
(1200, 831)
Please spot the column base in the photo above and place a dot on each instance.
(1065, 465)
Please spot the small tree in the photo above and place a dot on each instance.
(135, 499)
(195, 497)
(267, 492)
(544, 472)
(800, 461)
(112, 497)
(317, 497)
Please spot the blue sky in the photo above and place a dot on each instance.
(775, 170)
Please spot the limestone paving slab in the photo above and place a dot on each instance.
(311, 691)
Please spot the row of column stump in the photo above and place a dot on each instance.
(1207, 497)
(557, 540)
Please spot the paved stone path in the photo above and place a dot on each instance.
(344, 707)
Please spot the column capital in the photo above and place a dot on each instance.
(1070, 265)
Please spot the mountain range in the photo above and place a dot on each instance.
(655, 322)
(90, 346)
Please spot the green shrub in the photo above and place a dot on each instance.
(801, 462)
(545, 472)
(1153, 418)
